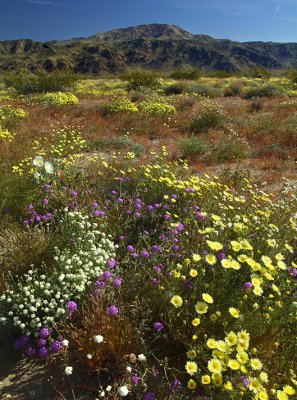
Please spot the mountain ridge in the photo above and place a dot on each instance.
(153, 46)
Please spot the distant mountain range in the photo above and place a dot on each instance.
(159, 47)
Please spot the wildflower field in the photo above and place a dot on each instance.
(142, 254)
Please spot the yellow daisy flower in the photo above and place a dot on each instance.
(192, 384)
(177, 301)
(196, 321)
(211, 343)
(215, 246)
(226, 263)
(196, 257)
(264, 377)
(289, 390)
(282, 395)
(201, 307)
(215, 366)
(211, 259)
(228, 386)
(191, 367)
(217, 379)
(254, 385)
(207, 297)
(231, 338)
(256, 364)
(205, 379)
(193, 273)
(233, 364)
(191, 354)
(234, 312)
(221, 345)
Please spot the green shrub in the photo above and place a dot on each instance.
(141, 78)
(231, 147)
(234, 89)
(58, 99)
(42, 82)
(156, 108)
(210, 116)
(256, 104)
(262, 123)
(192, 147)
(259, 72)
(176, 88)
(204, 90)
(11, 112)
(219, 74)
(290, 123)
(268, 90)
(186, 73)
(185, 102)
(121, 105)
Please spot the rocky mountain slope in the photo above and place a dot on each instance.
(155, 46)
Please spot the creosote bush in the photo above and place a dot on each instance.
(211, 116)
(141, 79)
(268, 90)
(192, 147)
(231, 147)
(24, 82)
(186, 73)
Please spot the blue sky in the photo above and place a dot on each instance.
(241, 20)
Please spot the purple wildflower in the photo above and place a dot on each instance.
(112, 310)
(43, 332)
(41, 342)
(220, 255)
(175, 385)
(135, 379)
(144, 254)
(42, 352)
(106, 275)
(149, 396)
(158, 326)
(130, 248)
(111, 263)
(29, 352)
(98, 213)
(71, 307)
(56, 346)
(247, 285)
(117, 282)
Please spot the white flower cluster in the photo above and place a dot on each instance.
(39, 299)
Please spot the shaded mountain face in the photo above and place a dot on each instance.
(156, 46)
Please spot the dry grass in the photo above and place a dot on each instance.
(19, 249)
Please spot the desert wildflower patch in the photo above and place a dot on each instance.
(157, 269)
